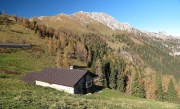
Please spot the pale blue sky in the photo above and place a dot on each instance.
(152, 15)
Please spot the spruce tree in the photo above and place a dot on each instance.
(171, 92)
(120, 82)
(136, 89)
(36, 28)
(120, 76)
(160, 93)
(112, 78)
(107, 74)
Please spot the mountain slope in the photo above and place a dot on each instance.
(103, 18)
(115, 55)
(142, 50)
(102, 23)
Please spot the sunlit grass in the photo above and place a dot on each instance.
(25, 62)
(17, 94)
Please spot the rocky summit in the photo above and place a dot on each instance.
(107, 20)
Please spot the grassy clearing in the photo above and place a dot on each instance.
(15, 33)
(24, 62)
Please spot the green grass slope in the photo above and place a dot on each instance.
(15, 33)
(15, 94)
(23, 61)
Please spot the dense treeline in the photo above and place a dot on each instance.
(170, 95)
(155, 56)
(159, 60)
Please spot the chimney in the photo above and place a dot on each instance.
(71, 67)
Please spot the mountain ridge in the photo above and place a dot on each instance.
(110, 22)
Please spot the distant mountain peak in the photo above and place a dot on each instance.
(160, 34)
(109, 21)
(106, 20)
(40, 18)
(113, 24)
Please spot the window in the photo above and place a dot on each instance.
(88, 84)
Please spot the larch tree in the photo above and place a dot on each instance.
(98, 69)
(39, 33)
(15, 17)
(71, 48)
(26, 22)
(55, 40)
(64, 41)
(5, 19)
(68, 51)
(58, 55)
(49, 32)
(50, 45)
(81, 51)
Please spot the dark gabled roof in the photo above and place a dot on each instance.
(30, 77)
(65, 77)
(13, 45)
(59, 76)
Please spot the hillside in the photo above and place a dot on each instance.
(100, 23)
(150, 54)
(135, 64)
(18, 94)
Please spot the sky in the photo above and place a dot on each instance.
(151, 15)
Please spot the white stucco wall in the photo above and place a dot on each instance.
(56, 86)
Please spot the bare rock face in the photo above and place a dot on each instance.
(105, 19)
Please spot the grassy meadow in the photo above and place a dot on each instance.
(16, 94)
